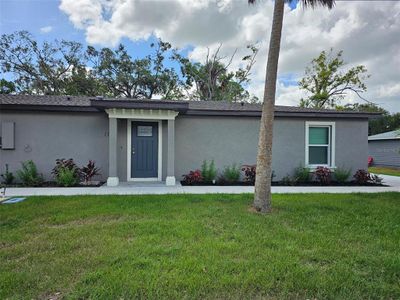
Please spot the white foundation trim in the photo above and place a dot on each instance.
(170, 180)
(112, 181)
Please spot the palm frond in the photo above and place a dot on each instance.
(314, 3)
(308, 3)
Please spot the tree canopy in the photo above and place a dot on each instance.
(327, 83)
(66, 68)
(212, 79)
(386, 122)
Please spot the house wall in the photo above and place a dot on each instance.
(385, 152)
(46, 136)
(230, 140)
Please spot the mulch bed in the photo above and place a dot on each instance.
(53, 184)
(280, 183)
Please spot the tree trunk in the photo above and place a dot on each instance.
(262, 195)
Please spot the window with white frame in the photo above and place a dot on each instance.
(320, 144)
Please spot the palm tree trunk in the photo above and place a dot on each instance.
(262, 196)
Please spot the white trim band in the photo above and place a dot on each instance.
(141, 114)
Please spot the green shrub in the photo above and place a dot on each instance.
(231, 173)
(342, 174)
(288, 180)
(66, 177)
(302, 174)
(63, 163)
(208, 171)
(29, 175)
(8, 177)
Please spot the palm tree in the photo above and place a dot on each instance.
(262, 195)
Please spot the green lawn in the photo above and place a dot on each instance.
(384, 170)
(312, 246)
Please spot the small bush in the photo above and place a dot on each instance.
(231, 173)
(193, 177)
(8, 177)
(89, 171)
(302, 174)
(29, 175)
(66, 177)
(249, 173)
(63, 163)
(208, 171)
(323, 175)
(342, 174)
(362, 176)
(288, 180)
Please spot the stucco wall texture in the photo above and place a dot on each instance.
(45, 136)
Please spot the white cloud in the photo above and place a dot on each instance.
(46, 29)
(368, 34)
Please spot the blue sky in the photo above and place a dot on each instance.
(32, 15)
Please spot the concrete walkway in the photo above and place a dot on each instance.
(159, 189)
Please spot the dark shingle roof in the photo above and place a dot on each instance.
(82, 103)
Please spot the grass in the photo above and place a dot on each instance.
(384, 171)
(316, 246)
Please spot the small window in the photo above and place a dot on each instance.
(320, 144)
(145, 131)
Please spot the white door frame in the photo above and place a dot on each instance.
(129, 151)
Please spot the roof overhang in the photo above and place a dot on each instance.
(139, 104)
(288, 114)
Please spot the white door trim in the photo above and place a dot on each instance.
(129, 151)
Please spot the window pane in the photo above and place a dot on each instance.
(144, 131)
(318, 155)
(318, 135)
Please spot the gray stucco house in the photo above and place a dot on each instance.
(384, 148)
(157, 140)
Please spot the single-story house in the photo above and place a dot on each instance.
(384, 148)
(159, 140)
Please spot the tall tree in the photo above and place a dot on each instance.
(143, 78)
(326, 82)
(262, 195)
(38, 69)
(212, 79)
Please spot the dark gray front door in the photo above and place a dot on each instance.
(144, 151)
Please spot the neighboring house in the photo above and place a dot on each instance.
(384, 148)
(158, 140)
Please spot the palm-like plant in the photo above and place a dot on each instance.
(262, 195)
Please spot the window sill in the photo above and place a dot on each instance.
(314, 167)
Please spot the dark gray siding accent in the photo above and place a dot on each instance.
(385, 152)
(44, 137)
(230, 140)
(7, 135)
